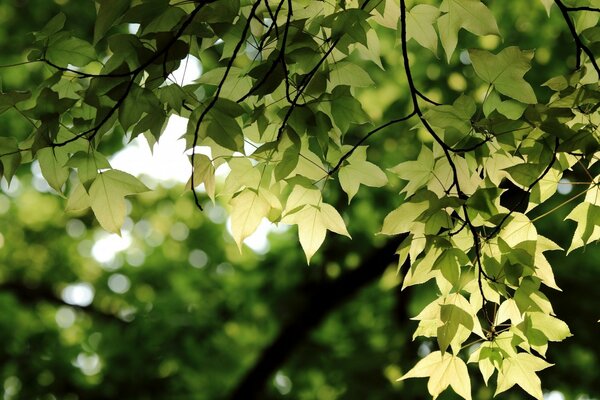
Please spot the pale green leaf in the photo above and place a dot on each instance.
(421, 270)
(247, 211)
(11, 157)
(520, 370)
(311, 229)
(52, 165)
(547, 5)
(417, 173)
(401, 219)
(443, 370)
(419, 26)
(349, 74)
(78, 199)
(301, 196)
(505, 71)
(471, 15)
(593, 193)
(518, 229)
(508, 310)
(587, 216)
(359, 171)
(204, 172)
(488, 357)
(242, 174)
(108, 205)
(87, 165)
(553, 328)
(107, 197)
(333, 220)
(72, 51)
(305, 208)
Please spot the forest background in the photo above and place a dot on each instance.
(172, 309)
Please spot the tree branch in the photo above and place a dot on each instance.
(322, 300)
(29, 295)
(580, 45)
(367, 136)
(215, 97)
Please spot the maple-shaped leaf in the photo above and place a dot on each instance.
(419, 26)
(505, 71)
(314, 218)
(417, 173)
(587, 216)
(248, 208)
(443, 370)
(402, 218)
(520, 370)
(471, 15)
(360, 171)
(52, 164)
(547, 5)
(204, 172)
(107, 197)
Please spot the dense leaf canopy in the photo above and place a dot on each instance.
(438, 137)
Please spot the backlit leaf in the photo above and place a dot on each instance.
(505, 71)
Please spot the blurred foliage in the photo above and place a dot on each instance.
(178, 313)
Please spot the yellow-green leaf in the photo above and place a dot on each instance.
(247, 211)
(107, 197)
(443, 370)
(419, 26)
(505, 71)
(520, 370)
(359, 171)
(471, 15)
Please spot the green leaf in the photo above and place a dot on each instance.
(288, 162)
(248, 210)
(417, 173)
(225, 131)
(511, 109)
(443, 370)
(587, 216)
(547, 5)
(109, 11)
(471, 15)
(204, 172)
(349, 74)
(10, 157)
(55, 25)
(314, 218)
(419, 26)
(553, 328)
(10, 99)
(487, 356)
(401, 219)
(505, 71)
(78, 199)
(449, 264)
(107, 197)
(346, 109)
(88, 164)
(452, 316)
(359, 171)
(520, 370)
(52, 165)
(72, 51)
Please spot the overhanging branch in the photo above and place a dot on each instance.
(323, 300)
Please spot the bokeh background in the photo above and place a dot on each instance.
(172, 310)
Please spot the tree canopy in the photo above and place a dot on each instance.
(433, 132)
